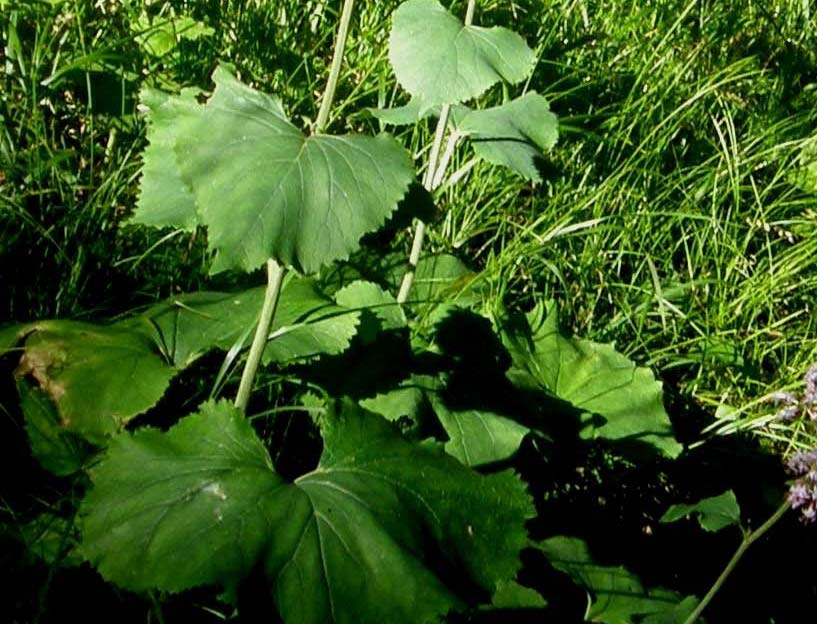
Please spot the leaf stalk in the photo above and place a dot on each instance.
(275, 277)
(431, 180)
(337, 61)
(749, 538)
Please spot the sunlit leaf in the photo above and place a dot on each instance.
(351, 541)
(264, 189)
(617, 399)
(439, 59)
(513, 135)
(98, 376)
(165, 200)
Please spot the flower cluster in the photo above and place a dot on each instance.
(803, 492)
(803, 464)
(804, 405)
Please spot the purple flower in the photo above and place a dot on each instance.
(803, 491)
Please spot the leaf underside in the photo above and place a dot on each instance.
(440, 60)
(352, 541)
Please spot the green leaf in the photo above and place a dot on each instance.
(512, 595)
(437, 58)
(307, 323)
(98, 376)
(369, 297)
(478, 437)
(349, 542)
(57, 450)
(165, 200)
(53, 539)
(265, 190)
(405, 401)
(179, 509)
(616, 595)
(513, 135)
(405, 115)
(713, 513)
(440, 280)
(618, 400)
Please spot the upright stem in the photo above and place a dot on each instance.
(748, 539)
(275, 276)
(337, 61)
(433, 177)
(428, 183)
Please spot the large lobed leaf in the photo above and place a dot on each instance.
(262, 187)
(439, 60)
(617, 399)
(352, 541)
(100, 376)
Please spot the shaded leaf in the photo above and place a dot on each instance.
(512, 595)
(618, 400)
(616, 596)
(478, 437)
(349, 542)
(307, 323)
(713, 513)
(264, 189)
(369, 297)
(513, 135)
(99, 376)
(57, 450)
(437, 58)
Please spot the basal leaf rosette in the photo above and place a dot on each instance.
(359, 539)
(262, 187)
(440, 60)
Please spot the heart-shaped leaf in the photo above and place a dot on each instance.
(352, 541)
(617, 399)
(513, 135)
(437, 58)
(265, 190)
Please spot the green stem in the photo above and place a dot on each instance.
(337, 61)
(433, 178)
(428, 183)
(275, 277)
(748, 539)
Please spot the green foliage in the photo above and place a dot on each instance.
(513, 135)
(617, 399)
(466, 60)
(98, 376)
(714, 514)
(615, 595)
(310, 209)
(206, 504)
